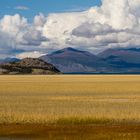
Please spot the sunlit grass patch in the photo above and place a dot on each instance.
(63, 99)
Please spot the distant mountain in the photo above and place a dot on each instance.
(124, 58)
(71, 60)
(118, 60)
(28, 66)
(8, 59)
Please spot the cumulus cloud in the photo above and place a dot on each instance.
(40, 20)
(17, 35)
(116, 23)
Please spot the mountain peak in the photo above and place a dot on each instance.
(70, 49)
(65, 50)
(73, 60)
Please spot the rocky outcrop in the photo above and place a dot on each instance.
(28, 66)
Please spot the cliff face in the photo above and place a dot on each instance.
(28, 66)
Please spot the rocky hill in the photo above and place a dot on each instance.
(28, 66)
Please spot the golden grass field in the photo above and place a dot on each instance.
(47, 99)
(70, 100)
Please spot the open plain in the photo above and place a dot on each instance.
(70, 107)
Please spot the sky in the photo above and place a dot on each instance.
(30, 8)
(31, 28)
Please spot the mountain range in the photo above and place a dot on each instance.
(122, 57)
(117, 60)
(8, 60)
(70, 60)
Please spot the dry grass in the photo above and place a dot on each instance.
(70, 99)
(69, 132)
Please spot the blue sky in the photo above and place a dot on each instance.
(44, 6)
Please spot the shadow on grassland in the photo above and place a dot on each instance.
(70, 132)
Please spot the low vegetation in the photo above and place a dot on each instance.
(70, 107)
(62, 99)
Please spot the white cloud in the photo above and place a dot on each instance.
(116, 23)
(17, 35)
(13, 24)
(34, 54)
(98, 28)
(21, 8)
(40, 20)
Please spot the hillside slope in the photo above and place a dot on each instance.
(28, 66)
